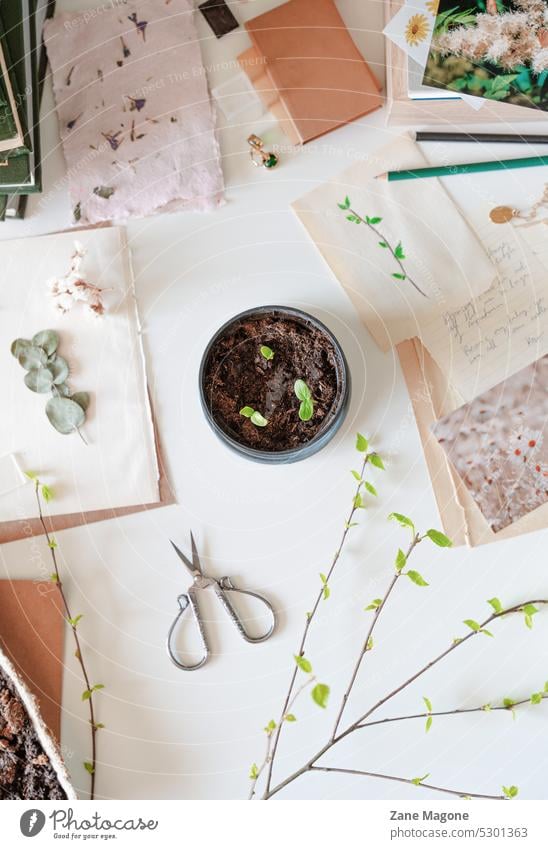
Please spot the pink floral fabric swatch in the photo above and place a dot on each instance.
(134, 111)
(498, 444)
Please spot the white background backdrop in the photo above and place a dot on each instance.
(179, 735)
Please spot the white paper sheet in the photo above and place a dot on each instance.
(503, 330)
(443, 253)
(118, 468)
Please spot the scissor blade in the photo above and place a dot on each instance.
(184, 558)
(195, 558)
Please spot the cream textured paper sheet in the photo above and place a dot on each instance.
(118, 467)
(442, 253)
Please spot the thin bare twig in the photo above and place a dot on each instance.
(460, 793)
(70, 621)
(415, 541)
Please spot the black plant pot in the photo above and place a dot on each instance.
(332, 419)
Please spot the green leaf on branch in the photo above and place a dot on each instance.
(428, 704)
(529, 611)
(475, 626)
(345, 204)
(510, 792)
(74, 622)
(438, 538)
(357, 476)
(290, 717)
(89, 767)
(417, 578)
(270, 727)
(254, 772)
(495, 604)
(326, 590)
(428, 724)
(375, 604)
(47, 493)
(398, 251)
(303, 664)
(403, 521)
(361, 443)
(401, 560)
(358, 501)
(374, 220)
(320, 694)
(376, 461)
(398, 276)
(418, 781)
(536, 698)
(371, 489)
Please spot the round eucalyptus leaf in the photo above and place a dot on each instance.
(59, 369)
(39, 380)
(32, 357)
(48, 340)
(65, 415)
(82, 399)
(19, 346)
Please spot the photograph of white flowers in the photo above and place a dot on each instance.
(495, 49)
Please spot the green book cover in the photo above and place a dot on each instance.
(22, 174)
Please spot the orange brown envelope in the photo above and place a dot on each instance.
(32, 627)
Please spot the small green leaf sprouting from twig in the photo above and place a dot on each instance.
(362, 443)
(429, 708)
(254, 416)
(89, 767)
(510, 792)
(290, 717)
(438, 538)
(267, 352)
(303, 393)
(536, 698)
(376, 461)
(418, 781)
(495, 604)
(404, 521)
(529, 611)
(320, 694)
(254, 772)
(326, 591)
(370, 488)
(270, 727)
(303, 663)
(417, 578)
(375, 604)
(401, 560)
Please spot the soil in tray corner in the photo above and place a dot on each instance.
(238, 375)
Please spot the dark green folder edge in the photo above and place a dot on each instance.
(21, 200)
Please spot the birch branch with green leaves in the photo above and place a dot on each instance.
(303, 676)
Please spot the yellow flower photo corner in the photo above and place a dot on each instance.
(417, 29)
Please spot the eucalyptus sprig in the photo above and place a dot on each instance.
(303, 393)
(302, 665)
(47, 372)
(44, 494)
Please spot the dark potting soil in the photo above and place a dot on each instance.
(25, 769)
(237, 375)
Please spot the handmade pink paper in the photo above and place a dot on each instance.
(134, 111)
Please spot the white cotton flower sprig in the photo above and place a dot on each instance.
(73, 288)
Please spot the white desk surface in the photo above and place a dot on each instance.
(193, 736)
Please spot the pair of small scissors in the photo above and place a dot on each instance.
(222, 587)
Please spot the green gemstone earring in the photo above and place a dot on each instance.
(259, 156)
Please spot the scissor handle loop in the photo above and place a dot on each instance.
(225, 586)
(187, 600)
